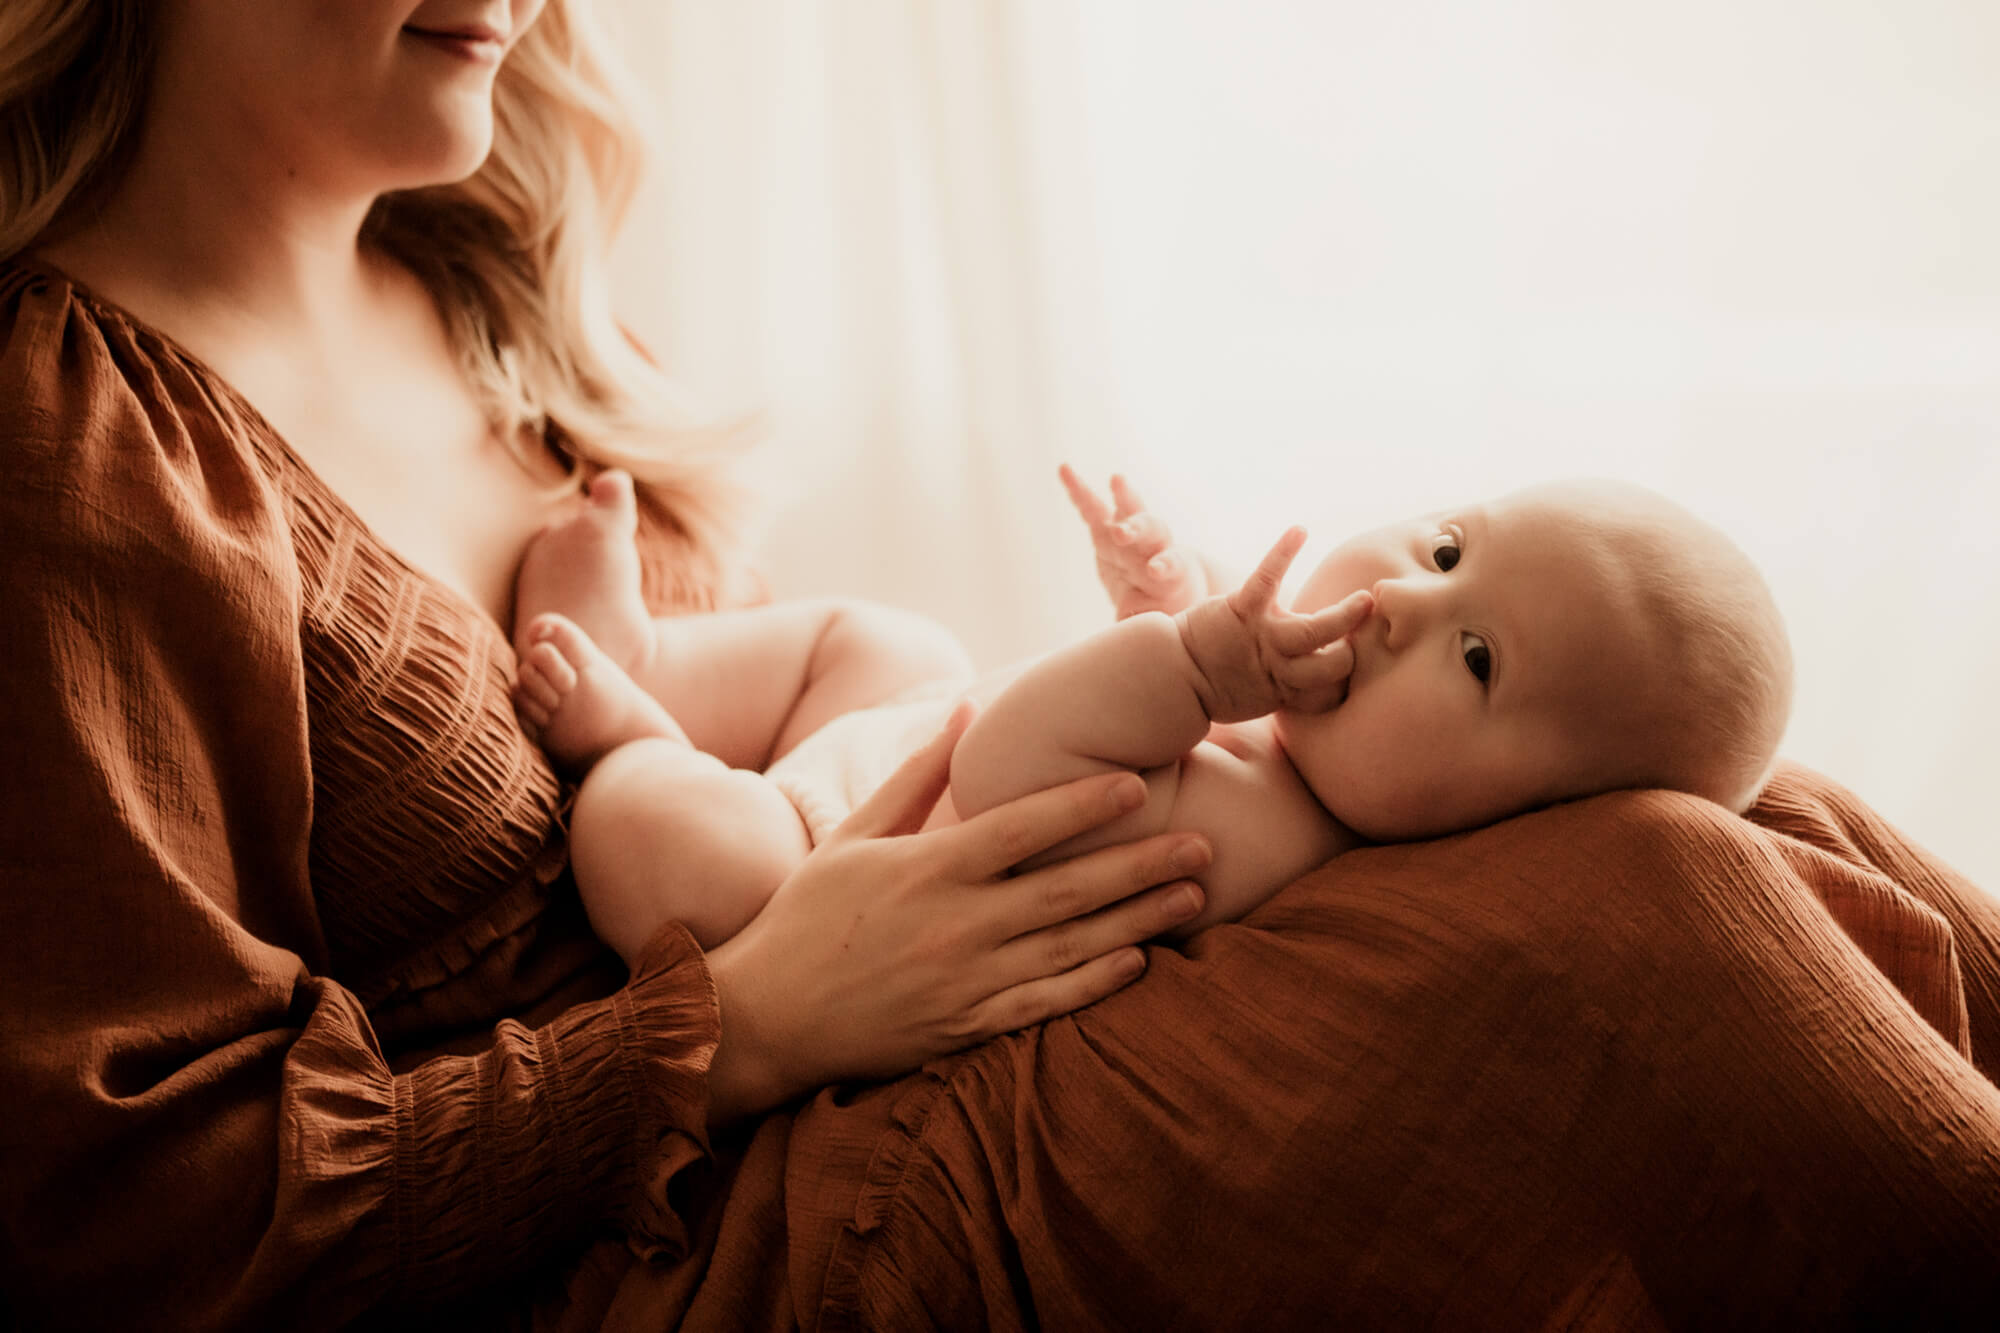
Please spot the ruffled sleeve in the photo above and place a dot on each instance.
(198, 1127)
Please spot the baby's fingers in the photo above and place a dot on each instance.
(1295, 636)
(1089, 504)
(1316, 681)
(1164, 569)
(1142, 535)
(1126, 495)
(1261, 588)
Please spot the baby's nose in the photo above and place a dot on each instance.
(1400, 607)
(1381, 609)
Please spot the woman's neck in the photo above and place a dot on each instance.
(216, 245)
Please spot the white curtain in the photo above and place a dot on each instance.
(1329, 262)
(866, 230)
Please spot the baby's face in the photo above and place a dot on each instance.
(1490, 678)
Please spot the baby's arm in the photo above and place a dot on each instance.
(1145, 692)
(1125, 697)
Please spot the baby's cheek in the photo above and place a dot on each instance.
(1323, 753)
(1374, 772)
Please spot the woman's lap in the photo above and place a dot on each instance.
(1616, 1057)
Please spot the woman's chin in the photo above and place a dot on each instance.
(454, 146)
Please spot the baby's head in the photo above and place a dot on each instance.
(1557, 642)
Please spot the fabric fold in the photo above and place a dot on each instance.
(218, 870)
(1615, 1064)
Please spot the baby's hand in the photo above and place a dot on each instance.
(1140, 567)
(1254, 657)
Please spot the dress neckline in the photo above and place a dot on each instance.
(295, 462)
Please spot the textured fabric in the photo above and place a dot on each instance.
(270, 841)
(299, 1015)
(1630, 1063)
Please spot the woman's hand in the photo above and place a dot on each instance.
(1137, 562)
(1255, 657)
(890, 947)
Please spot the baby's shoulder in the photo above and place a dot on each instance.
(1265, 825)
(1254, 742)
(1241, 763)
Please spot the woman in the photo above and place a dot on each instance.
(305, 336)
(299, 1020)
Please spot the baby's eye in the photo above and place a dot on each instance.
(1478, 657)
(1444, 551)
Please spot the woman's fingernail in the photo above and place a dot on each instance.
(1127, 793)
(1190, 855)
(1130, 964)
(1184, 902)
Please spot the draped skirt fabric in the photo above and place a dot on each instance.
(1632, 1063)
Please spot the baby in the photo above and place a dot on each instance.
(1430, 677)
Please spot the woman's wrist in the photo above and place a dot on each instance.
(745, 1077)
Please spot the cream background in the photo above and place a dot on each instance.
(1330, 262)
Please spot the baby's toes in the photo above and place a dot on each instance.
(612, 500)
(535, 698)
(534, 714)
(542, 627)
(548, 675)
(566, 639)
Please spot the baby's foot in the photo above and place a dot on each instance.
(578, 702)
(586, 567)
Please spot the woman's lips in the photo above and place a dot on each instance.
(478, 45)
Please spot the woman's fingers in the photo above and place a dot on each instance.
(1070, 943)
(1067, 966)
(1043, 998)
(902, 804)
(991, 843)
(1055, 901)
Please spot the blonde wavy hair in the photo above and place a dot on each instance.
(514, 255)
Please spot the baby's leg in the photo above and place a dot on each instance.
(586, 567)
(750, 684)
(745, 685)
(579, 703)
(662, 832)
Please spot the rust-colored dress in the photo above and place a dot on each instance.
(301, 1023)
(271, 835)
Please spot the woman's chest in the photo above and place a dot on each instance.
(442, 489)
(429, 803)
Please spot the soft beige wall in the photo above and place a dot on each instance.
(1331, 262)
(1741, 250)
